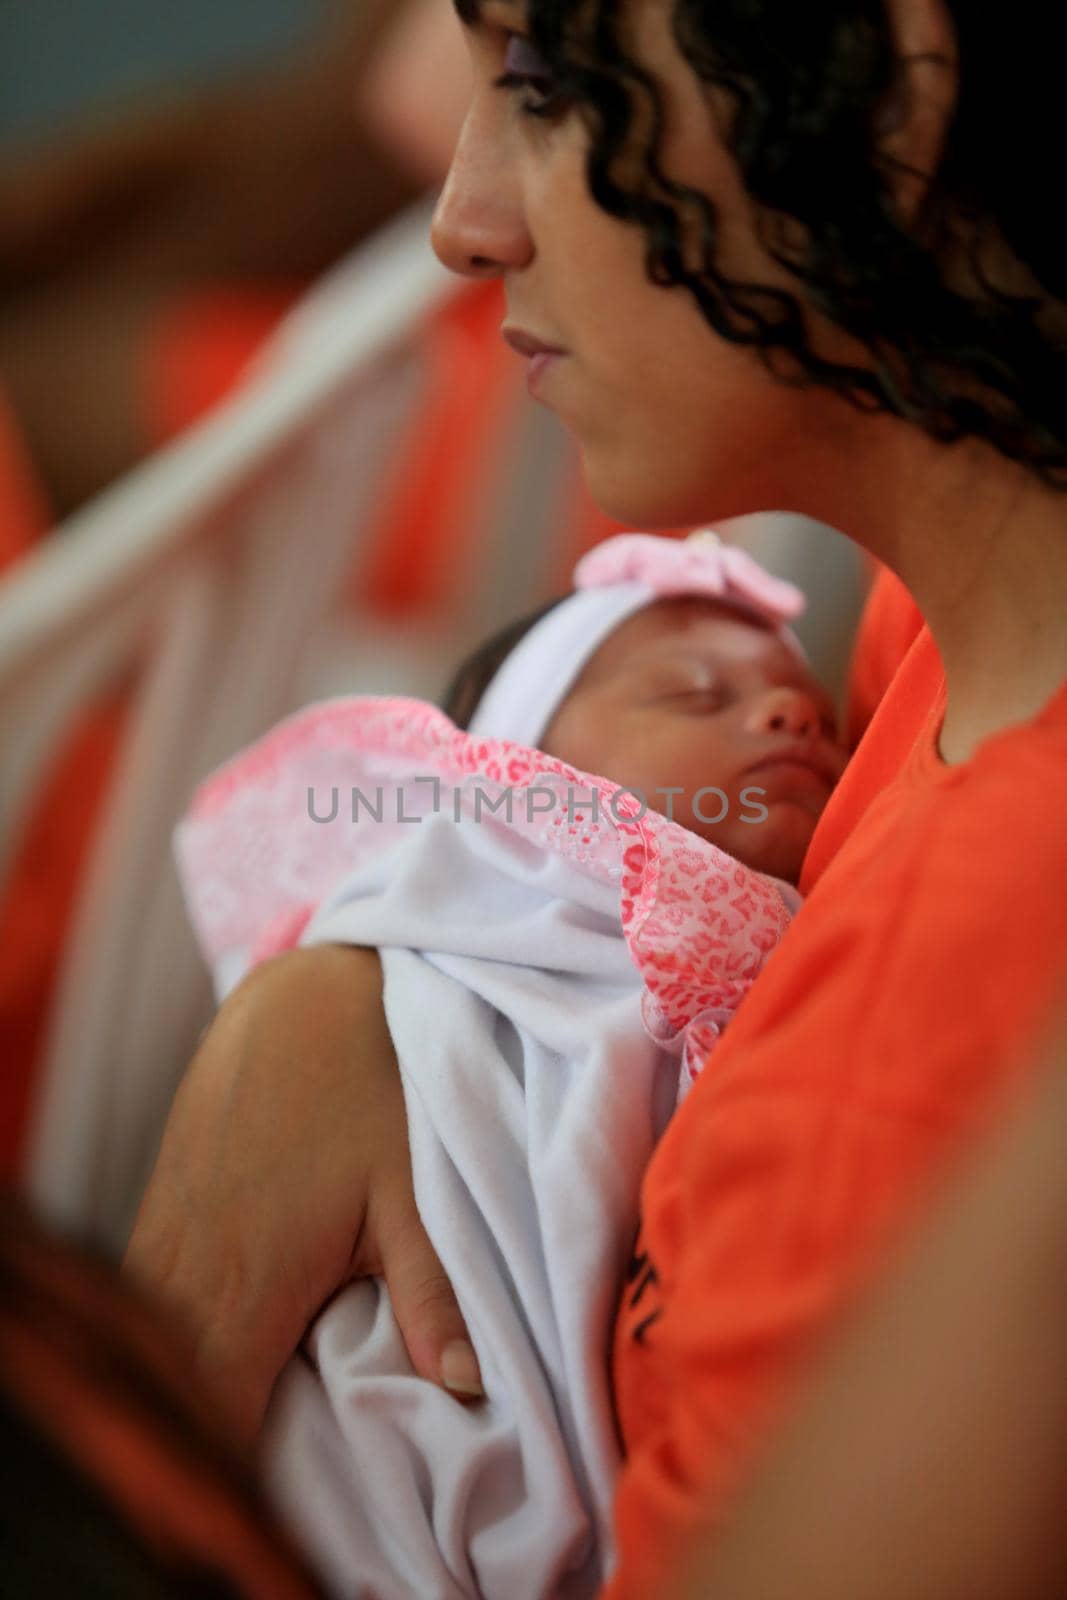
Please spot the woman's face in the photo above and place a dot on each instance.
(688, 697)
(675, 423)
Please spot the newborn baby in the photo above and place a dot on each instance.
(571, 898)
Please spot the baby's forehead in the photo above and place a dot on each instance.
(690, 625)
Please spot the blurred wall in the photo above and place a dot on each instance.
(60, 59)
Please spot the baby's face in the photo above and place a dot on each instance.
(688, 695)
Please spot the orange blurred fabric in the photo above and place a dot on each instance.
(201, 348)
(197, 354)
(38, 901)
(35, 897)
(418, 543)
(23, 513)
(900, 1008)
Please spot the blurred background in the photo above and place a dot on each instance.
(171, 178)
(255, 446)
(63, 61)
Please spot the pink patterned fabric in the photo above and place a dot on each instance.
(699, 925)
(700, 565)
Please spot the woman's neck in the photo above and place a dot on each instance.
(982, 545)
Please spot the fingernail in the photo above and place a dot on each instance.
(459, 1369)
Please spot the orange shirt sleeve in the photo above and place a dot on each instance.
(898, 1012)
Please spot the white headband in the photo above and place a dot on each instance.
(526, 691)
(615, 580)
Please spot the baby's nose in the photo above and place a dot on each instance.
(788, 711)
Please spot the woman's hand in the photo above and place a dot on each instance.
(284, 1173)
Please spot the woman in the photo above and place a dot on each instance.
(781, 255)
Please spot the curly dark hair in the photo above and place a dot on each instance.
(807, 84)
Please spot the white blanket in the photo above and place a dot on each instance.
(527, 966)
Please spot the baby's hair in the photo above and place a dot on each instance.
(473, 676)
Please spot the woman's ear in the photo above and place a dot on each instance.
(913, 122)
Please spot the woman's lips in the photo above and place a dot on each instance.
(539, 366)
(541, 355)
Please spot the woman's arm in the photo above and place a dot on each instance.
(284, 1173)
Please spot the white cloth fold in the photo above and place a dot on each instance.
(534, 1099)
(541, 978)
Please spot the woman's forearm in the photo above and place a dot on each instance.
(284, 1173)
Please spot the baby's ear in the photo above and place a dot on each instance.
(913, 121)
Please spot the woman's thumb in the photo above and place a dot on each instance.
(426, 1309)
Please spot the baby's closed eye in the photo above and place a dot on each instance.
(695, 699)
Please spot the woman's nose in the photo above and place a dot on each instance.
(788, 711)
(479, 228)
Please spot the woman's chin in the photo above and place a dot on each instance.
(637, 493)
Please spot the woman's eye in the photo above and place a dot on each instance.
(526, 68)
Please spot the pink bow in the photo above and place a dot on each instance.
(701, 564)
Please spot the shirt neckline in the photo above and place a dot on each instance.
(925, 759)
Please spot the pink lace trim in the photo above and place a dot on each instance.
(698, 923)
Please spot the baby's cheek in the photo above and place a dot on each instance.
(571, 736)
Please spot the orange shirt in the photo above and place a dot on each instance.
(898, 1009)
(890, 624)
